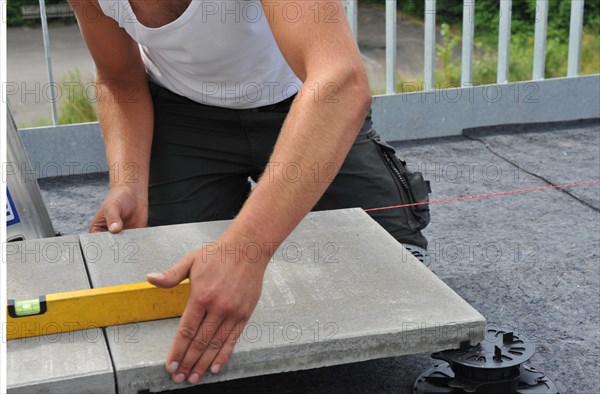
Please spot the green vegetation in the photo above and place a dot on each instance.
(522, 45)
(486, 13)
(76, 101)
(449, 21)
(14, 17)
(449, 70)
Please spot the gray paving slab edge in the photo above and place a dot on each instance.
(311, 356)
(146, 371)
(350, 349)
(93, 384)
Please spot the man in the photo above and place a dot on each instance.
(194, 97)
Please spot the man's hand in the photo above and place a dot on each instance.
(224, 290)
(126, 115)
(123, 208)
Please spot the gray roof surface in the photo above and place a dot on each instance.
(527, 261)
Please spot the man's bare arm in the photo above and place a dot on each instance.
(319, 130)
(322, 123)
(126, 116)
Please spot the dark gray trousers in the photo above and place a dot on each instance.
(202, 157)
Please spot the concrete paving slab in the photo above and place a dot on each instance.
(564, 153)
(75, 362)
(339, 290)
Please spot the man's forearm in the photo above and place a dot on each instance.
(314, 141)
(126, 117)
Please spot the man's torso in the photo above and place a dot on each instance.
(215, 53)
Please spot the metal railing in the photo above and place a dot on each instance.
(419, 116)
(48, 54)
(575, 37)
(468, 32)
(539, 59)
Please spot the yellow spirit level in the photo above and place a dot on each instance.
(93, 308)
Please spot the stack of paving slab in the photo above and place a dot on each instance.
(340, 289)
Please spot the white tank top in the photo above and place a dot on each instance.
(216, 53)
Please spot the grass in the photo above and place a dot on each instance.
(75, 98)
(78, 105)
(485, 60)
(521, 57)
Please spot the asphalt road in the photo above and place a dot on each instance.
(27, 89)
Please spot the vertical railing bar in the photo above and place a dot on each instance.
(504, 41)
(429, 66)
(539, 48)
(352, 14)
(48, 61)
(391, 13)
(468, 33)
(575, 32)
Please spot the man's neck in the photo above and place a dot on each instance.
(157, 13)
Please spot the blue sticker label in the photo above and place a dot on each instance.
(12, 215)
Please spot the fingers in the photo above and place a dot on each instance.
(192, 317)
(108, 218)
(221, 345)
(231, 334)
(112, 216)
(212, 345)
(194, 351)
(174, 275)
(201, 350)
(122, 208)
(98, 224)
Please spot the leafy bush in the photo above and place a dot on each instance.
(449, 70)
(485, 58)
(486, 12)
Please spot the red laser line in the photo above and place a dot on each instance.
(486, 195)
